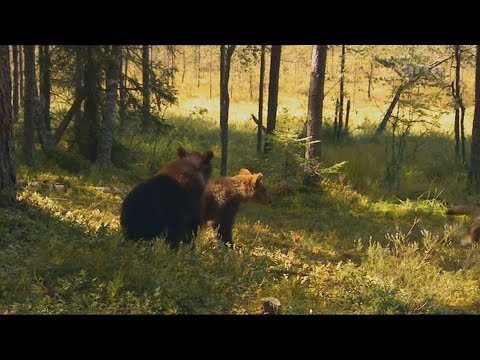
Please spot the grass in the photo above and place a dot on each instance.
(352, 245)
(349, 246)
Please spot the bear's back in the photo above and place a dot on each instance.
(151, 206)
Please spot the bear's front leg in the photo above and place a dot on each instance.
(176, 233)
(225, 229)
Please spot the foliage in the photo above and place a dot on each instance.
(352, 245)
(336, 249)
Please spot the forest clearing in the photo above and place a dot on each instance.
(361, 151)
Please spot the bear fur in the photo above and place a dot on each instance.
(222, 199)
(169, 203)
(473, 212)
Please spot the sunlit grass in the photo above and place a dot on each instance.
(352, 245)
(349, 246)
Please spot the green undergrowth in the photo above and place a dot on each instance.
(347, 246)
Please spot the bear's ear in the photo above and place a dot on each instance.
(181, 152)
(257, 178)
(208, 155)
(244, 172)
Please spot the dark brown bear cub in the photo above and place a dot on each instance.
(223, 197)
(169, 202)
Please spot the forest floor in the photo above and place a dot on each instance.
(350, 245)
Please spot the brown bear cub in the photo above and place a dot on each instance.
(474, 213)
(222, 199)
(169, 202)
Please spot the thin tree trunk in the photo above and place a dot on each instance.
(29, 106)
(474, 174)
(31, 96)
(21, 74)
(74, 110)
(342, 84)
(197, 48)
(251, 85)
(457, 99)
(112, 74)
(260, 101)
(78, 80)
(456, 123)
(389, 112)
(347, 115)
(462, 133)
(335, 122)
(315, 110)
(331, 60)
(370, 77)
(354, 91)
(122, 90)
(15, 83)
(456, 95)
(45, 84)
(146, 86)
(401, 88)
(184, 63)
(8, 180)
(295, 69)
(275, 57)
(172, 63)
(210, 76)
(226, 53)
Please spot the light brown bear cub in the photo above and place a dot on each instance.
(222, 199)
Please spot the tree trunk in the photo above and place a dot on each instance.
(171, 49)
(399, 91)
(250, 78)
(29, 106)
(226, 53)
(15, 83)
(210, 76)
(74, 110)
(146, 86)
(8, 181)
(354, 91)
(342, 85)
(197, 48)
(45, 84)
(370, 77)
(88, 130)
(389, 112)
(347, 115)
(335, 122)
(122, 90)
(456, 98)
(31, 99)
(260, 101)
(184, 63)
(104, 153)
(456, 126)
(78, 81)
(275, 56)
(331, 60)
(462, 132)
(474, 174)
(315, 110)
(21, 75)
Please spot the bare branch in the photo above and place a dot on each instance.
(255, 120)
